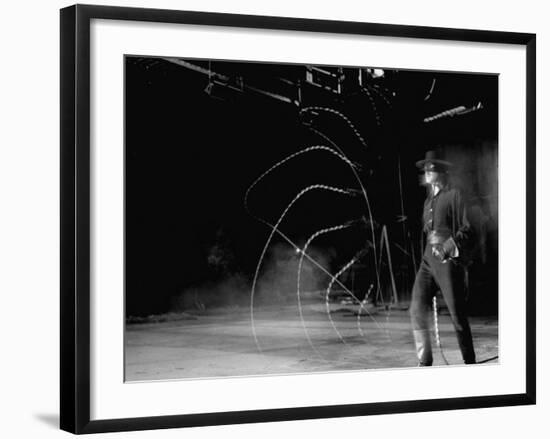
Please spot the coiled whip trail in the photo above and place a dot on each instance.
(327, 298)
(342, 116)
(376, 89)
(275, 228)
(313, 261)
(371, 220)
(365, 198)
(381, 89)
(373, 104)
(332, 281)
(376, 262)
(302, 252)
(321, 148)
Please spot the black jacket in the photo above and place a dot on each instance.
(446, 215)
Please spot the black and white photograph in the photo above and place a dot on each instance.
(275, 219)
(292, 218)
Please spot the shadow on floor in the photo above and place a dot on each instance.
(51, 420)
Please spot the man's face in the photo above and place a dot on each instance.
(431, 177)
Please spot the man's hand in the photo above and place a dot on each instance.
(450, 248)
(439, 252)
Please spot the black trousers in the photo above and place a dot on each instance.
(448, 278)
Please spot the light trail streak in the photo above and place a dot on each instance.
(302, 252)
(342, 116)
(373, 104)
(275, 228)
(379, 93)
(334, 278)
(286, 159)
(327, 299)
(365, 198)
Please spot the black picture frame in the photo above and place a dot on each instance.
(76, 211)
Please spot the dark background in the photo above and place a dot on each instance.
(195, 142)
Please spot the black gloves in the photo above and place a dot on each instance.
(438, 250)
(446, 250)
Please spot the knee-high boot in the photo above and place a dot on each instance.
(464, 336)
(423, 343)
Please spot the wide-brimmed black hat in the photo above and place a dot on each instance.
(433, 161)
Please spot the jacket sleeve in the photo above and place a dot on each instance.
(462, 229)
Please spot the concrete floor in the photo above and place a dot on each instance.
(220, 342)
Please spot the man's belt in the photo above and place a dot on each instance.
(438, 237)
(443, 245)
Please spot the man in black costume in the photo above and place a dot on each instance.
(448, 238)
